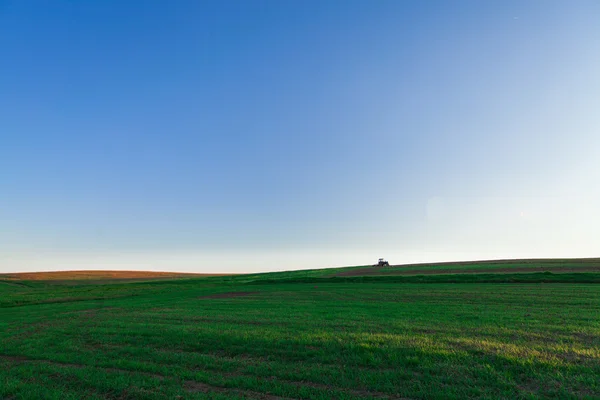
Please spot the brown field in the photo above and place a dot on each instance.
(99, 275)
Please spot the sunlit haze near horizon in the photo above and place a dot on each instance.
(241, 136)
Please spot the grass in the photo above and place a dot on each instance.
(539, 277)
(303, 335)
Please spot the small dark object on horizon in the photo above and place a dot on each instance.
(382, 263)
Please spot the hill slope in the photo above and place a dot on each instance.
(342, 337)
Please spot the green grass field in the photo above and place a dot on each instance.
(306, 335)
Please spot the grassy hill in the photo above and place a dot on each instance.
(317, 334)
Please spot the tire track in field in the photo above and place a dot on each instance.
(188, 385)
(192, 386)
(15, 283)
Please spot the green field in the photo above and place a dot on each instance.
(307, 335)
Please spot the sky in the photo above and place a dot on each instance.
(240, 136)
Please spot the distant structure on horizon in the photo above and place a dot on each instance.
(382, 263)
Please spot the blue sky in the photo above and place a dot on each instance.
(242, 136)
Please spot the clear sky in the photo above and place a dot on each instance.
(218, 136)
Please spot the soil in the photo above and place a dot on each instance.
(87, 275)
